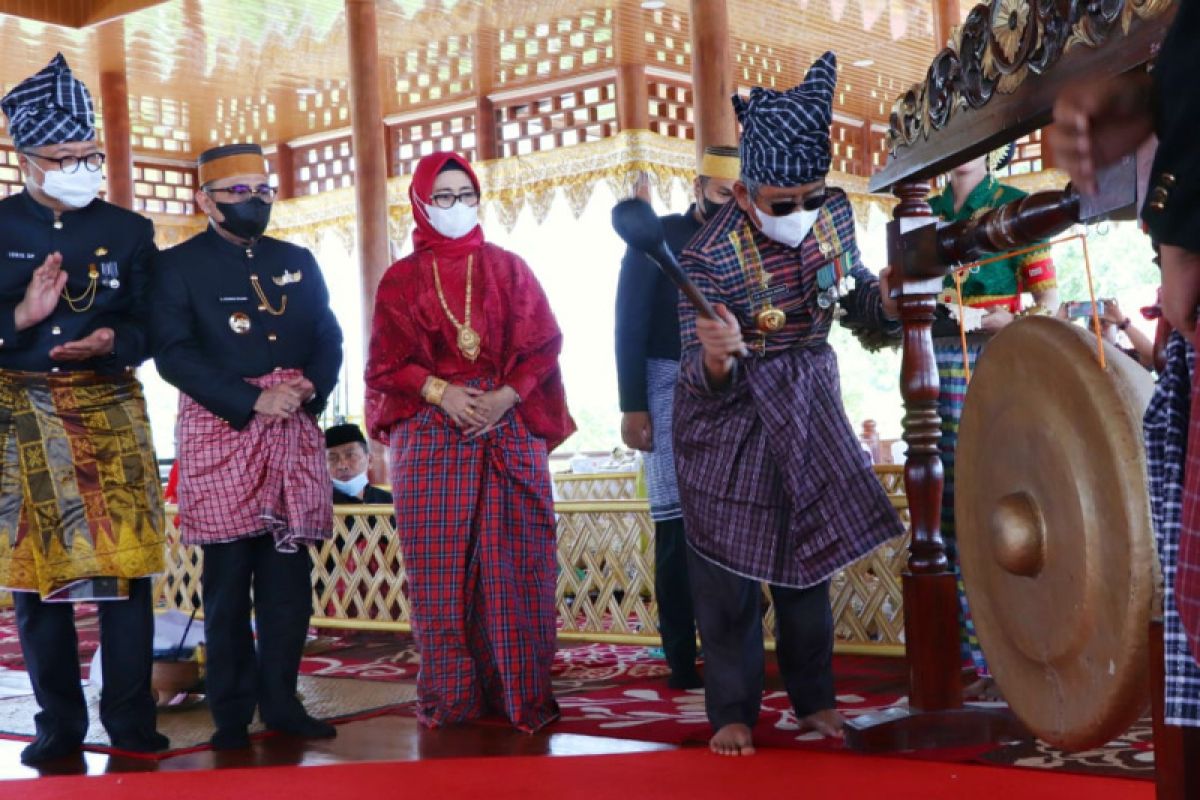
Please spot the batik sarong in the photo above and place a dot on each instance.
(81, 508)
(662, 375)
(268, 478)
(476, 524)
(1166, 430)
(952, 375)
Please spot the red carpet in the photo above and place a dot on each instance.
(690, 774)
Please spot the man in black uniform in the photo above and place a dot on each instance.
(349, 458)
(80, 503)
(647, 370)
(241, 325)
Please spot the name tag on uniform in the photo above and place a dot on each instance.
(233, 299)
(17, 255)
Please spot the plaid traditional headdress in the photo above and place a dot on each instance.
(785, 135)
(50, 107)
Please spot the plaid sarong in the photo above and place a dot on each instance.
(662, 486)
(80, 499)
(1166, 430)
(268, 478)
(952, 376)
(774, 483)
(476, 524)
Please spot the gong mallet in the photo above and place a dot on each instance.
(635, 222)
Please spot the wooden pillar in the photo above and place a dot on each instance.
(114, 99)
(370, 168)
(285, 165)
(370, 149)
(947, 14)
(629, 39)
(486, 63)
(931, 625)
(713, 81)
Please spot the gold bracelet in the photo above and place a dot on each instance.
(434, 391)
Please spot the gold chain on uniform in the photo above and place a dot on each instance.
(468, 339)
(264, 302)
(88, 294)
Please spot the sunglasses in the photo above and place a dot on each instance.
(812, 202)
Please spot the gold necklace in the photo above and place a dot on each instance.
(264, 303)
(468, 339)
(88, 294)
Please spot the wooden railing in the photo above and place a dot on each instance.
(605, 589)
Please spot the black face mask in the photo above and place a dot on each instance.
(711, 209)
(246, 220)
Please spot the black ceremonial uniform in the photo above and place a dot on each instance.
(119, 246)
(211, 330)
(647, 328)
(371, 495)
(1172, 209)
(116, 244)
(203, 297)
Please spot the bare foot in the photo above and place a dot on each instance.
(732, 740)
(827, 723)
(984, 688)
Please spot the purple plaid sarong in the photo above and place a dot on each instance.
(773, 481)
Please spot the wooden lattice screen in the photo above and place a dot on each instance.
(555, 50)
(324, 166)
(164, 188)
(584, 114)
(672, 108)
(411, 140)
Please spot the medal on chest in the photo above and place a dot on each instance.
(768, 318)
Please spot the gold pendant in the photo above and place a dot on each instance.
(770, 319)
(468, 342)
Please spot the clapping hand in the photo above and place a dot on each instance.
(42, 293)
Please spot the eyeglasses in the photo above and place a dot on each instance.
(812, 202)
(448, 199)
(70, 164)
(241, 192)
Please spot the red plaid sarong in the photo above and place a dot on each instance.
(477, 530)
(269, 478)
(1187, 575)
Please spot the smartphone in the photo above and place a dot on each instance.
(1083, 308)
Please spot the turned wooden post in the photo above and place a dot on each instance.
(931, 624)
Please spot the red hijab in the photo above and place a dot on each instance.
(420, 194)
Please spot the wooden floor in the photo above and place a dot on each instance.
(390, 738)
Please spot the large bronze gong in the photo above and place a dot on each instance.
(1054, 529)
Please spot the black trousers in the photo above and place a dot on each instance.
(51, 650)
(240, 677)
(672, 590)
(729, 613)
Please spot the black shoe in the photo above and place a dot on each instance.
(152, 742)
(49, 746)
(305, 727)
(685, 680)
(230, 739)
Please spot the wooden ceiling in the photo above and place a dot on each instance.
(73, 13)
(205, 72)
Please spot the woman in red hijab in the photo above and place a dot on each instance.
(463, 385)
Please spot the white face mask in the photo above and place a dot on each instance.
(790, 230)
(454, 222)
(74, 189)
(351, 487)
